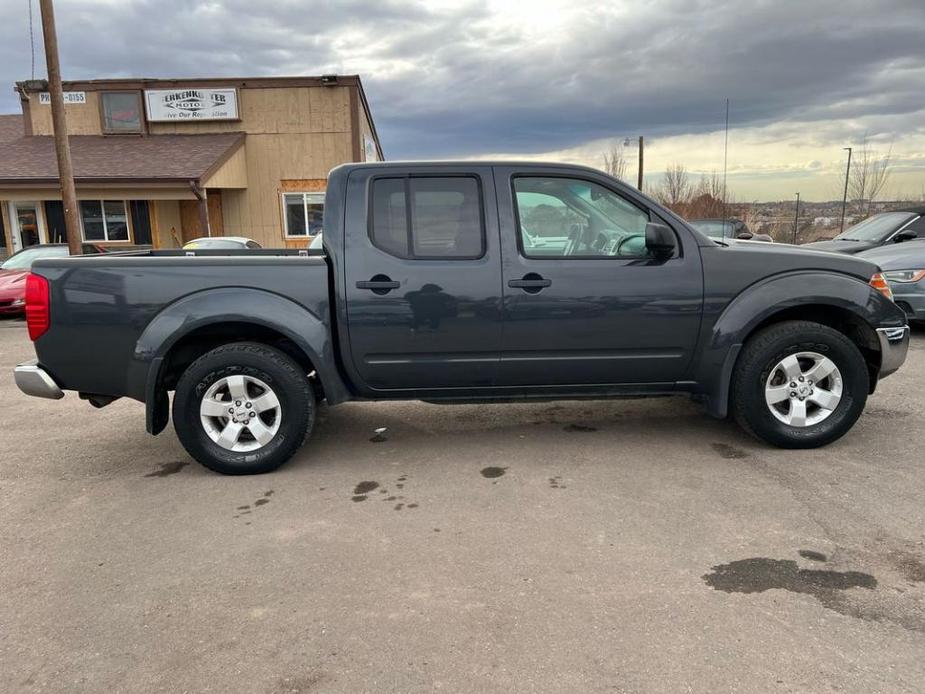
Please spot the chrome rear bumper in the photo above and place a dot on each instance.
(894, 345)
(33, 380)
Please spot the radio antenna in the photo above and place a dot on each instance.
(725, 165)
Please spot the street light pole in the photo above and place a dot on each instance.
(639, 178)
(796, 220)
(844, 200)
(59, 120)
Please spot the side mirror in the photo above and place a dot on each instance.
(660, 240)
(906, 235)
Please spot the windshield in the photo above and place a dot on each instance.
(712, 228)
(213, 244)
(875, 228)
(24, 259)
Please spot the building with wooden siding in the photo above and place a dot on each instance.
(161, 162)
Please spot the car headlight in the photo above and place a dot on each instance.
(905, 275)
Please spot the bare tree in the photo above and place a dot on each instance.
(711, 185)
(870, 172)
(615, 161)
(674, 191)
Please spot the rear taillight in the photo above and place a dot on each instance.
(37, 306)
(878, 282)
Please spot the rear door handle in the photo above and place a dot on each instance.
(530, 283)
(379, 284)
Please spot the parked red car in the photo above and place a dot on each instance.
(13, 273)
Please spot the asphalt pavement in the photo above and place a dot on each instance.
(624, 546)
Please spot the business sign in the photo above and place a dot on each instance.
(167, 105)
(69, 97)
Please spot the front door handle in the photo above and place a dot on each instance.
(530, 283)
(379, 284)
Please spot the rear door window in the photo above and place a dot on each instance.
(428, 217)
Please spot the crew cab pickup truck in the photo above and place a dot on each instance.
(465, 282)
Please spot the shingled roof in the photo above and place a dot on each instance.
(11, 127)
(102, 159)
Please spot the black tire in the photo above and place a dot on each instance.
(289, 383)
(764, 351)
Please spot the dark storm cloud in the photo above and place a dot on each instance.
(459, 81)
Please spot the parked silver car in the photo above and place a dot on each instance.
(903, 266)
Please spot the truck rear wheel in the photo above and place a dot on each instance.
(243, 408)
(799, 384)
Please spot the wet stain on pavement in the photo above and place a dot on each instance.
(168, 469)
(493, 472)
(812, 555)
(728, 452)
(365, 487)
(758, 574)
(885, 413)
(910, 566)
(556, 483)
(362, 489)
(578, 428)
(244, 509)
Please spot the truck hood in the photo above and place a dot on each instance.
(840, 246)
(776, 258)
(909, 255)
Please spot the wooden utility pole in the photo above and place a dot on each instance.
(641, 147)
(844, 199)
(59, 120)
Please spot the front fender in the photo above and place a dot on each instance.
(720, 344)
(307, 329)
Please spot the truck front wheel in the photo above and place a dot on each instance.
(799, 384)
(243, 408)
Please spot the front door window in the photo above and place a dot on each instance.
(573, 218)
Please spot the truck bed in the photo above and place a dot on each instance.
(102, 306)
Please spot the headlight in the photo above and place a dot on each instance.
(905, 275)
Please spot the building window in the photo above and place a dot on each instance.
(104, 220)
(303, 214)
(121, 112)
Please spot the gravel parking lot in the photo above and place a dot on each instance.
(634, 546)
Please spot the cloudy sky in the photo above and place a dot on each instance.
(552, 79)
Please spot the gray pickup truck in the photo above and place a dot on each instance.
(465, 282)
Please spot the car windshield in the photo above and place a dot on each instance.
(24, 259)
(713, 228)
(875, 228)
(213, 244)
